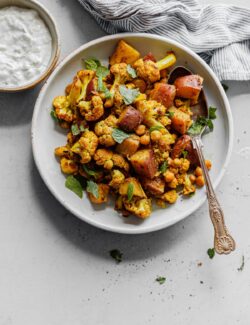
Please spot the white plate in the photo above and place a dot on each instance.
(46, 136)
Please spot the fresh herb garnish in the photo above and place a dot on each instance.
(156, 128)
(75, 129)
(92, 63)
(53, 115)
(129, 95)
(170, 114)
(163, 167)
(92, 188)
(119, 135)
(242, 264)
(131, 71)
(89, 172)
(101, 73)
(211, 252)
(212, 113)
(225, 86)
(130, 191)
(160, 279)
(116, 255)
(184, 153)
(74, 185)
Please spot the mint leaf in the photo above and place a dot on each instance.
(53, 115)
(92, 188)
(130, 191)
(119, 135)
(129, 95)
(211, 252)
(75, 129)
(160, 279)
(89, 172)
(92, 63)
(170, 114)
(156, 128)
(212, 112)
(74, 185)
(163, 167)
(131, 71)
(116, 255)
(102, 71)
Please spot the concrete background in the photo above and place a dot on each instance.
(56, 269)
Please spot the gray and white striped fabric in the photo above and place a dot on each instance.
(220, 34)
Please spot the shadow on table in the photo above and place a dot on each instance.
(100, 242)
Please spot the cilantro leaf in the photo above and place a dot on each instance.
(102, 71)
(160, 279)
(53, 115)
(130, 191)
(92, 63)
(170, 114)
(131, 71)
(89, 171)
(92, 188)
(119, 135)
(212, 112)
(74, 185)
(199, 124)
(116, 255)
(225, 87)
(163, 167)
(184, 153)
(156, 128)
(211, 252)
(129, 95)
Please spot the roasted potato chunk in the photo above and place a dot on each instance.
(137, 189)
(144, 163)
(129, 119)
(154, 186)
(184, 143)
(124, 53)
(164, 94)
(128, 146)
(188, 86)
(180, 121)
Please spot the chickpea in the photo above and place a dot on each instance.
(192, 178)
(140, 130)
(155, 135)
(177, 162)
(200, 181)
(208, 164)
(198, 171)
(168, 176)
(145, 139)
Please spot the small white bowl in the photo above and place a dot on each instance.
(50, 23)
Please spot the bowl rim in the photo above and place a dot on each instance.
(57, 46)
(93, 222)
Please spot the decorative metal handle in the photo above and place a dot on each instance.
(223, 241)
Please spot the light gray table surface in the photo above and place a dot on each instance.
(56, 269)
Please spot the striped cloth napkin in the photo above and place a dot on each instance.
(220, 34)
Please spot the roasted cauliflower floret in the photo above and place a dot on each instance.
(79, 86)
(117, 178)
(103, 191)
(103, 130)
(170, 196)
(68, 166)
(63, 109)
(86, 146)
(185, 164)
(108, 159)
(151, 111)
(63, 151)
(189, 188)
(121, 75)
(139, 207)
(92, 110)
(147, 70)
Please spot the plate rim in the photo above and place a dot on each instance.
(136, 229)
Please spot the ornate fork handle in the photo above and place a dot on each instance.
(223, 241)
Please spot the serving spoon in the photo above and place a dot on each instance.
(223, 241)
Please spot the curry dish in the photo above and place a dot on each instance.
(128, 132)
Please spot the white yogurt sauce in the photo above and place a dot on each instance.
(25, 46)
